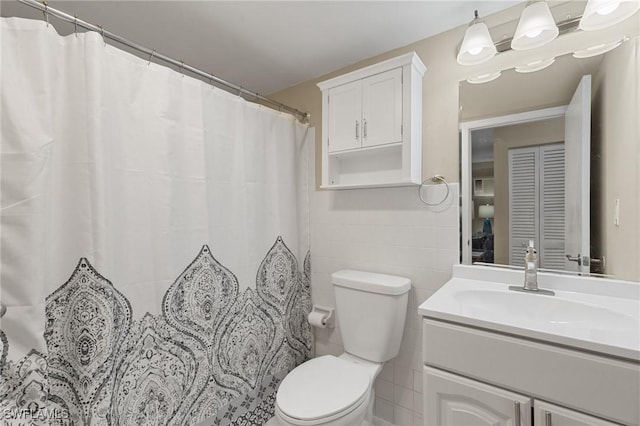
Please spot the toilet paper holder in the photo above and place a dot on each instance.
(322, 316)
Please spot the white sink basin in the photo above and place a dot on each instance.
(605, 323)
(553, 311)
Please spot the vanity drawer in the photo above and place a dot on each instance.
(598, 385)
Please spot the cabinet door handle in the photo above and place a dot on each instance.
(547, 418)
(364, 128)
(518, 415)
(357, 129)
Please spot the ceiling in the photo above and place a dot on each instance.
(266, 46)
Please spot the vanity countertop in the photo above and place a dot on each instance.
(594, 314)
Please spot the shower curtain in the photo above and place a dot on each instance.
(153, 240)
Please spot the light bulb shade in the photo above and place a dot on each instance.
(485, 211)
(535, 65)
(535, 28)
(601, 14)
(477, 46)
(598, 49)
(484, 78)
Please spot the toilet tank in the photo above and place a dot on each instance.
(371, 310)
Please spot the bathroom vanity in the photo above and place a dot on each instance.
(498, 357)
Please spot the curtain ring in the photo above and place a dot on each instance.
(181, 69)
(75, 25)
(46, 13)
(102, 34)
(153, 52)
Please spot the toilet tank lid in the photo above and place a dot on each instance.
(371, 282)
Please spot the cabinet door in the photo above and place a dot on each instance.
(546, 414)
(451, 400)
(345, 112)
(382, 108)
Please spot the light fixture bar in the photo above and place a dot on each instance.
(564, 27)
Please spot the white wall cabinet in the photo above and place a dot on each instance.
(366, 112)
(345, 114)
(382, 108)
(372, 125)
(453, 400)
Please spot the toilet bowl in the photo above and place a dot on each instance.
(338, 391)
(327, 391)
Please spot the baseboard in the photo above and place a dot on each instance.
(377, 421)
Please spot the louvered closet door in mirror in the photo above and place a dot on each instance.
(523, 206)
(536, 204)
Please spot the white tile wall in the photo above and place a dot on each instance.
(386, 230)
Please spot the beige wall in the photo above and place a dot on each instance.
(617, 141)
(505, 138)
(439, 103)
(440, 84)
(387, 230)
(441, 110)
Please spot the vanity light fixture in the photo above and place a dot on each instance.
(536, 27)
(600, 14)
(535, 65)
(484, 78)
(477, 46)
(598, 49)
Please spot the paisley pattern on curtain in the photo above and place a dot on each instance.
(213, 354)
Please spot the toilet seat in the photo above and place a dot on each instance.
(322, 389)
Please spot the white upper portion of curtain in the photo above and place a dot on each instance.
(135, 167)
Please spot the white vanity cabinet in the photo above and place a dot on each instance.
(452, 400)
(372, 125)
(474, 376)
(546, 414)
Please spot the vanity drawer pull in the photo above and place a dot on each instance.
(547, 418)
(517, 415)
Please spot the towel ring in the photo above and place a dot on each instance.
(435, 178)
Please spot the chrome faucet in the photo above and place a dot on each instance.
(531, 268)
(531, 273)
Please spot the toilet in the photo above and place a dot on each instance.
(338, 391)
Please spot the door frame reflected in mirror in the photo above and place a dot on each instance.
(466, 164)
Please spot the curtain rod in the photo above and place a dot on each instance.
(302, 116)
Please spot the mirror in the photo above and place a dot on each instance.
(517, 148)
